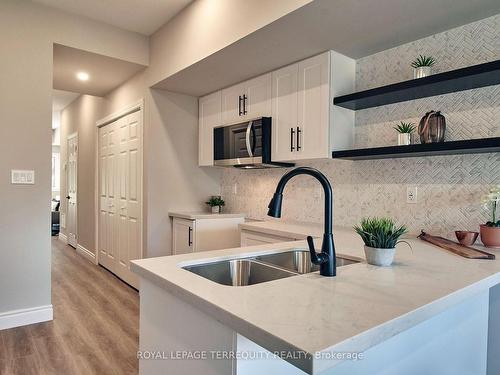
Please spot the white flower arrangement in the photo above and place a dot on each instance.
(491, 202)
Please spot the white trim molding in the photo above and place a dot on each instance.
(86, 253)
(23, 317)
(63, 237)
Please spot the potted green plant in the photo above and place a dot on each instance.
(216, 203)
(380, 236)
(490, 232)
(422, 66)
(405, 131)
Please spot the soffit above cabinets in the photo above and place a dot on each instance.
(105, 73)
(353, 28)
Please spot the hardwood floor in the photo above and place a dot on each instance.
(95, 328)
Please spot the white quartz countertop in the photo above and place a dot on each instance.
(203, 215)
(296, 230)
(361, 307)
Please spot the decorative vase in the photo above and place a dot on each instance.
(421, 72)
(379, 257)
(216, 209)
(490, 236)
(432, 127)
(404, 139)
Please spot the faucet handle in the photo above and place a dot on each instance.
(315, 257)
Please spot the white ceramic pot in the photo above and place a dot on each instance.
(421, 72)
(379, 257)
(216, 209)
(404, 139)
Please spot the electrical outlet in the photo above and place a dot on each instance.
(235, 188)
(411, 194)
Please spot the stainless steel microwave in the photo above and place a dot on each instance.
(245, 145)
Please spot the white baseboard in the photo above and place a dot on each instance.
(86, 253)
(23, 317)
(63, 237)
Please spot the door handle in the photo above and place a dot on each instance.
(298, 138)
(247, 139)
(68, 197)
(292, 133)
(190, 241)
(245, 104)
(240, 112)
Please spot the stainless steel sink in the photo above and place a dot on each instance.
(239, 272)
(260, 269)
(299, 261)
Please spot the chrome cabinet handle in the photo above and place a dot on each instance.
(239, 106)
(190, 241)
(298, 138)
(292, 133)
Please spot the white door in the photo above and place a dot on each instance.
(284, 113)
(312, 132)
(120, 203)
(209, 118)
(183, 236)
(257, 101)
(232, 104)
(71, 183)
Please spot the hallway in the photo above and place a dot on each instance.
(95, 326)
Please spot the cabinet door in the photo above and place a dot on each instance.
(257, 97)
(313, 108)
(183, 236)
(232, 105)
(284, 113)
(209, 117)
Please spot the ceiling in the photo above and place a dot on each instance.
(61, 99)
(141, 16)
(355, 28)
(106, 73)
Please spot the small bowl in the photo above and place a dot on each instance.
(466, 237)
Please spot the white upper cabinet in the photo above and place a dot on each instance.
(209, 117)
(299, 98)
(247, 100)
(306, 125)
(284, 112)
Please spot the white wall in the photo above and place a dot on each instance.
(27, 32)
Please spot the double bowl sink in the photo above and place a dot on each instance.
(261, 268)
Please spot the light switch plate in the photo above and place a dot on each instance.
(22, 177)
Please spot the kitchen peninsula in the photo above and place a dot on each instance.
(309, 319)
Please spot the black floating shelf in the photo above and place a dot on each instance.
(471, 77)
(472, 146)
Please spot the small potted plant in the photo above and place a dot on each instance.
(490, 232)
(380, 235)
(405, 131)
(422, 66)
(216, 203)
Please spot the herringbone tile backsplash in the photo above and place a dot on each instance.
(449, 187)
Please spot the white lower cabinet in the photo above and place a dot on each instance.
(249, 238)
(192, 235)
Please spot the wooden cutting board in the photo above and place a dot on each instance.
(455, 247)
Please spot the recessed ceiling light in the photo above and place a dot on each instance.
(82, 76)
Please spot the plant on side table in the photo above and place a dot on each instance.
(490, 232)
(405, 131)
(422, 66)
(216, 203)
(380, 235)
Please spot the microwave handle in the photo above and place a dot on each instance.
(247, 139)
